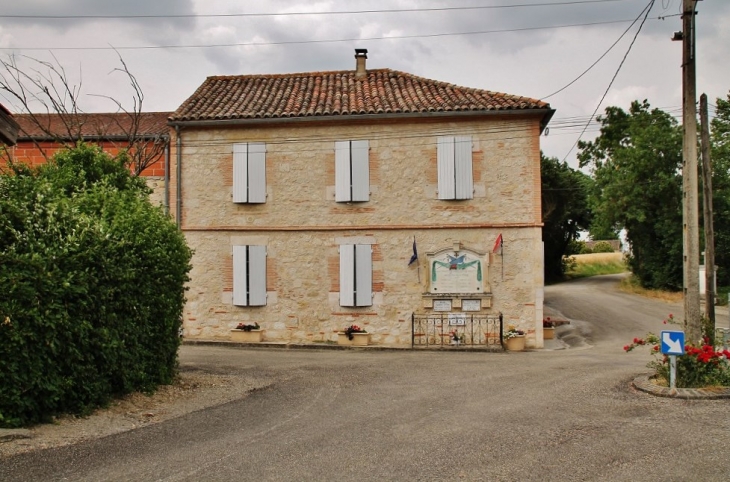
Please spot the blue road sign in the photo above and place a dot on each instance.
(672, 342)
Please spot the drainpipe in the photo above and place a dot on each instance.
(166, 199)
(178, 201)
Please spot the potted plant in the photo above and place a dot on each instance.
(353, 335)
(514, 339)
(247, 333)
(456, 338)
(548, 329)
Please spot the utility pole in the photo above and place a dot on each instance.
(691, 264)
(709, 229)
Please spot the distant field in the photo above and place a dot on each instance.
(599, 258)
(596, 264)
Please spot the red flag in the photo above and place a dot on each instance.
(497, 243)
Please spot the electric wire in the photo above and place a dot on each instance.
(594, 63)
(299, 14)
(317, 41)
(647, 9)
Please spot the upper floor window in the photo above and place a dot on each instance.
(249, 172)
(455, 178)
(352, 171)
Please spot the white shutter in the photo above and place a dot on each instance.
(347, 275)
(360, 151)
(342, 171)
(256, 172)
(364, 274)
(239, 276)
(445, 158)
(463, 168)
(257, 275)
(240, 173)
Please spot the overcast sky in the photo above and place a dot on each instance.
(529, 50)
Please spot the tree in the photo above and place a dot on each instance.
(720, 140)
(45, 86)
(564, 211)
(636, 164)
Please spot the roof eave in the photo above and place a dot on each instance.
(115, 138)
(546, 114)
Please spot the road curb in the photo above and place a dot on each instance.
(7, 434)
(332, 346)
(644, 383)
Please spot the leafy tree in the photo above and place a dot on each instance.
(720, 139)
(564, 212)
(636, 164)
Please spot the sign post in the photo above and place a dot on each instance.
(672, 345)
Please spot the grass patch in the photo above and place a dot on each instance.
(631, 285)
(595, 264)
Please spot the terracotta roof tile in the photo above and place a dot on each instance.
(338, 93)
(91, 126)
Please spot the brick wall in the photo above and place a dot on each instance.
(30, 153)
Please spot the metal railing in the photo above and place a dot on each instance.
(456, 329)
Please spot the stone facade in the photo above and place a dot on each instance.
(302, 226)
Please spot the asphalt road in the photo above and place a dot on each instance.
(545, 415)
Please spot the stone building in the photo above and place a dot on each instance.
(306, 195)
(40, 136)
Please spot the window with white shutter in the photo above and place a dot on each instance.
(249, 172)
(352, 171)
(356, 275)
(455, 178)
(249, 275)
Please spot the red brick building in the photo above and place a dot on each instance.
(146, 136)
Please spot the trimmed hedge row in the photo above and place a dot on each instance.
(91, 287)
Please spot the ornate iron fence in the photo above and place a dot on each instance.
(456, 329)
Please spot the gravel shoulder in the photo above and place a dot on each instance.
(192, 391)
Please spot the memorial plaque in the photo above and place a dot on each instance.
(457, 272)
(441, 305)
(471, 305)
(457, 319)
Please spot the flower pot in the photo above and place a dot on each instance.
(548, 333)
(240, 336)
(343, 340)
(516, 343)
(358, 339)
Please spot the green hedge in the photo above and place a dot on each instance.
(602, 247)
(91, 287)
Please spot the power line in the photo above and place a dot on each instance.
(297, 14)
(647, 9)
(302, 42)
(594, 63)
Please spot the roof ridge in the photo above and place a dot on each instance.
(289, 74)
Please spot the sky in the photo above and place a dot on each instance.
(531, 48)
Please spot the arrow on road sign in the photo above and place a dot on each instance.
(673, 345)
